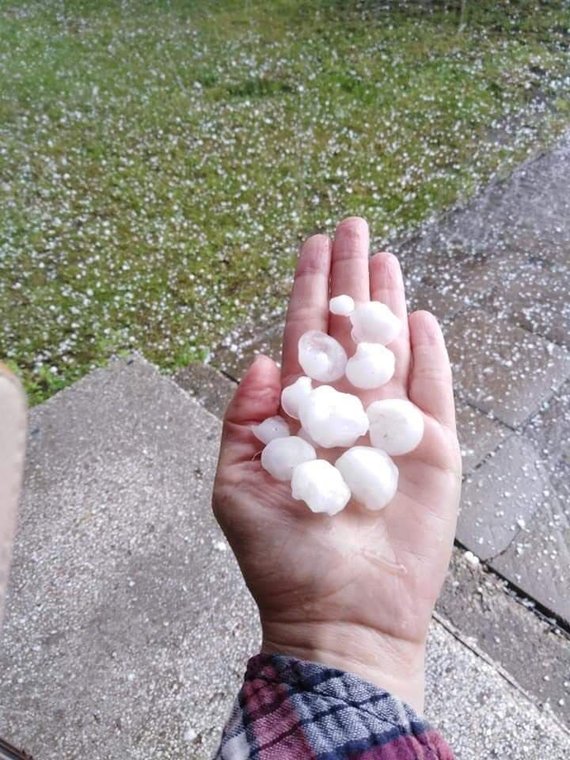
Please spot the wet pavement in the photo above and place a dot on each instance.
(496, 272)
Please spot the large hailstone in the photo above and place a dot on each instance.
(373, 322)
(294, 394)
(370, 474)
(332, 418)
(371, 366)
(320, 486)
(321, 357)
(282, 455)
(272, 427)
(341, 305)
(396, 425)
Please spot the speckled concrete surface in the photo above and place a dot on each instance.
(128, 624)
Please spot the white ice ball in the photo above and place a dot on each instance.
(341, 305)
(371, 366)
(370, 474)
(282, 455)
(332, 418)
(396, 425)
(321, 357)
(320, 486)
(272, 427)
(373, 322)
(294, 394)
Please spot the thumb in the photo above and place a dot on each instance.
(256, 398)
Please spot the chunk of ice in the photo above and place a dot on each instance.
(282, 455)
(396, 425)
(292, 395)
(321, 357)
(371, 366)
(272, 427)
(320, 486)
(370, 474)
(332, 418)
(373, 322)
(341, 305)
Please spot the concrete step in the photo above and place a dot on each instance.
(128, 624)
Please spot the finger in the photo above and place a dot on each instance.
(256, 398)
(387, 285)
(349, 272)
(430, 385)
(308, 305)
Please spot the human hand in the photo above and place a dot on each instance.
(354, 591)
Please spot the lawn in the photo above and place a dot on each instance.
(159, 161)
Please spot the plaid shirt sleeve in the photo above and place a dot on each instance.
(290, 709)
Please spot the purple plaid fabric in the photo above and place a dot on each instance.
(289, 709)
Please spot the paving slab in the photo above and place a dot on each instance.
(538, 560)
(128, 624)
(535, 299)
(208, 386)
(235, 360)
(550, 428)
(523, 217)
(528, 646)
(479, 434)
(499, 498)
(503, 369)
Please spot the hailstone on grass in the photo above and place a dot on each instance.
(396, 425)
(282, 455)
(320, 486)
(272, 427)
(332, 418)
(321, 356)
(370, 474)
(373, 322)
(371, 366)
(341, 305)
(294, 394)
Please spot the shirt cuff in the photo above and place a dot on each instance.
(293, 709)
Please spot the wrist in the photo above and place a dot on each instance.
(395, 665)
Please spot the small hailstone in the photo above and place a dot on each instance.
(282, 455)
(272, 427)
(371, 366)
(341, 305)
(321, 357)
(373, 322)
(332, 418)
(292, 396)
(396, 425)
(370, 474)
(320, 486)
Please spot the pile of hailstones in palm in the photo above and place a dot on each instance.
(330, 419)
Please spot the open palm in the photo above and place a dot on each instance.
(355, 590)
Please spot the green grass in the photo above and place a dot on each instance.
(160, 161)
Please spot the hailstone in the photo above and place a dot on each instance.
(371, 366)
(341, 305)
(272, 427)
(282, 455)
(370, 474)
(320, 486)
(292, 395)
(332, 418)
(321, 356)
(396, 425)
(373, 322)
